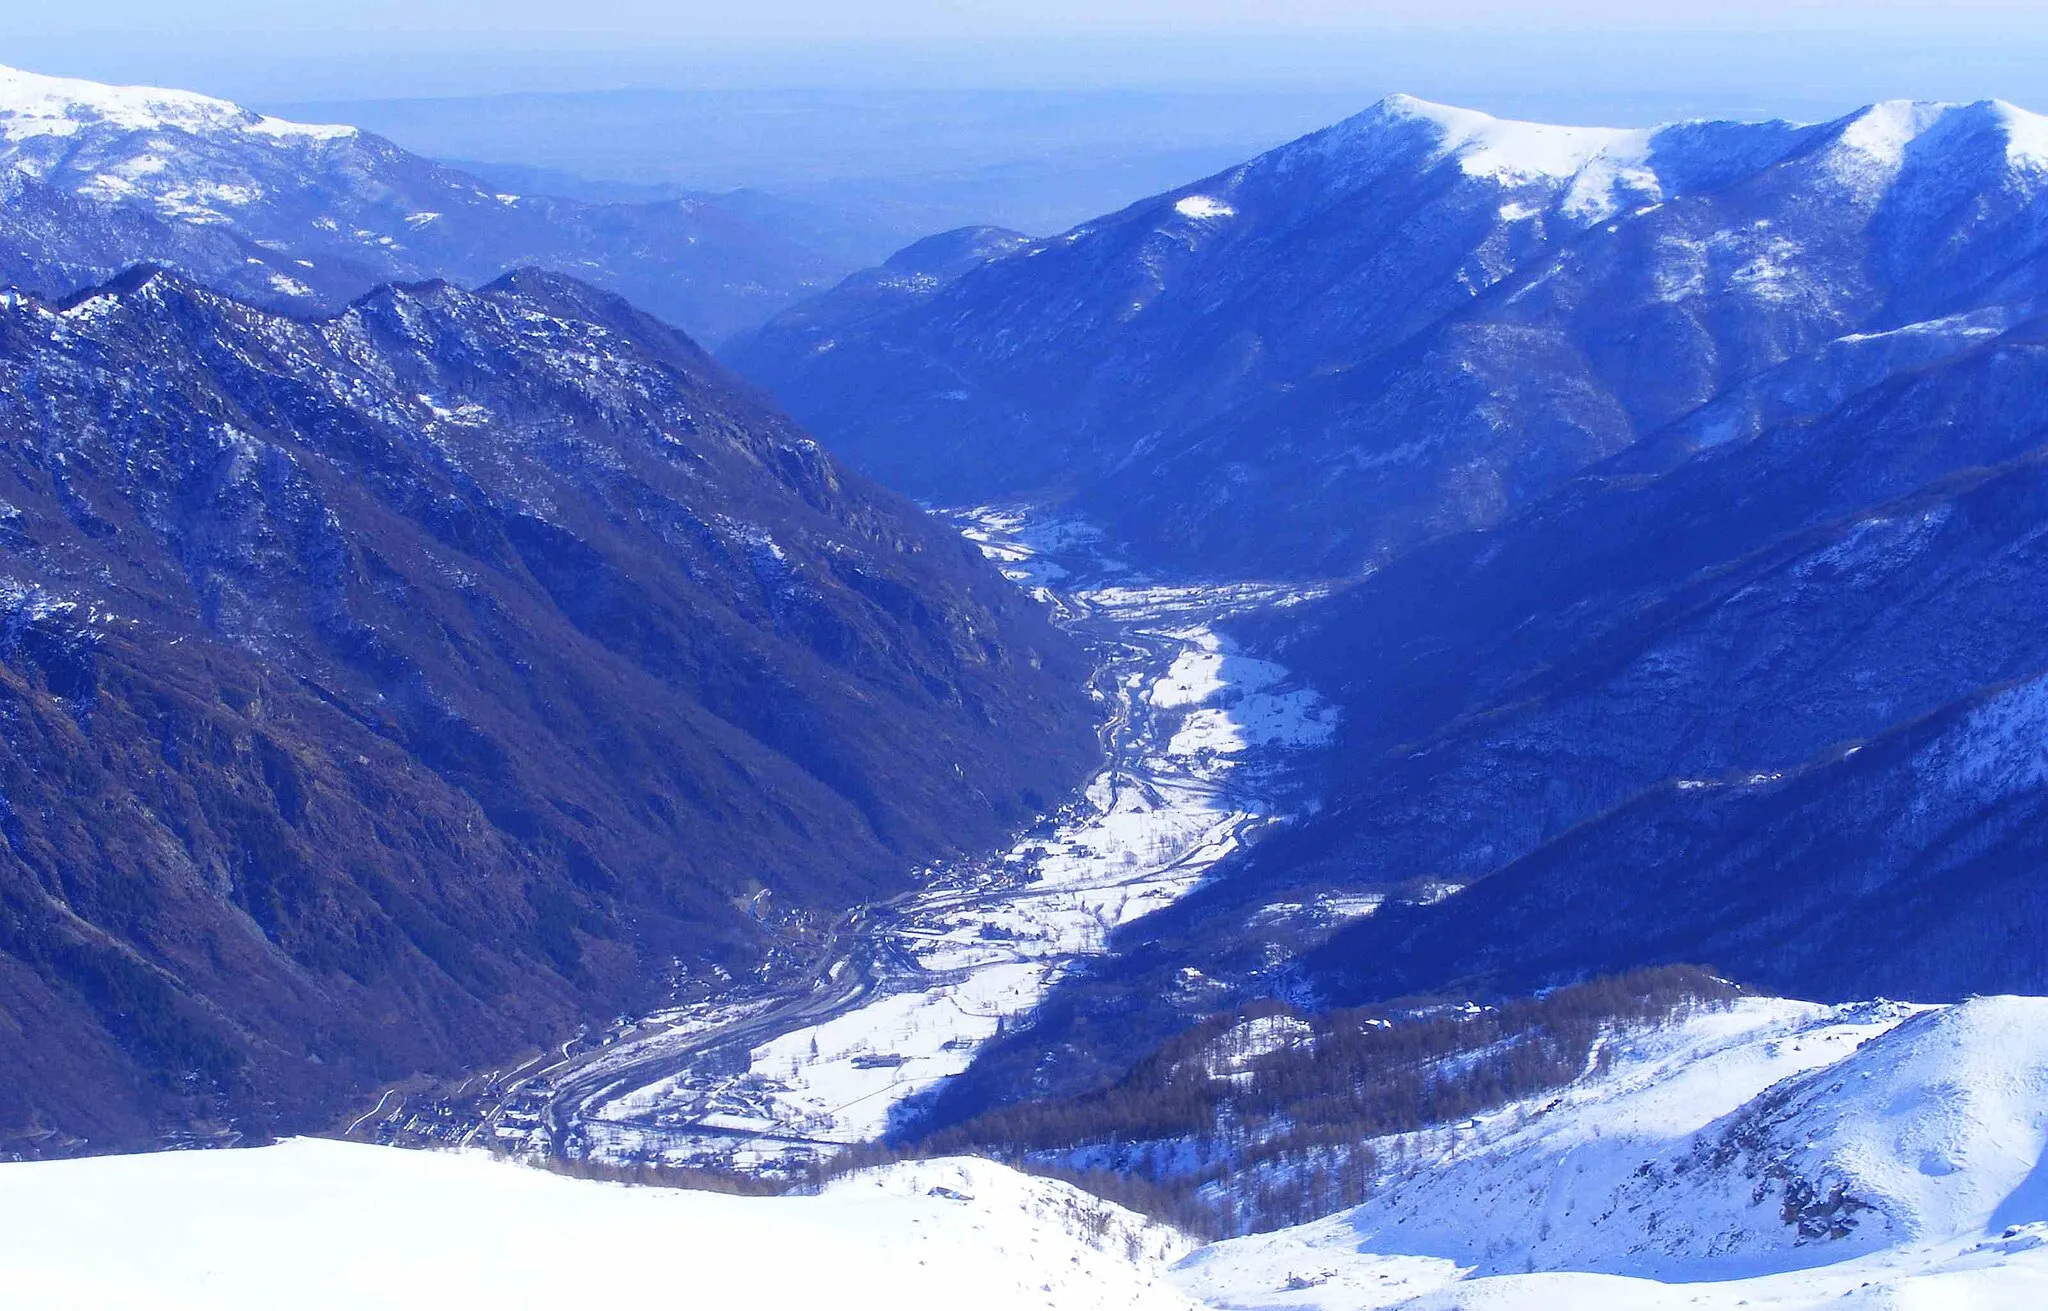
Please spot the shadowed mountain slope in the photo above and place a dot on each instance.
(389, 691)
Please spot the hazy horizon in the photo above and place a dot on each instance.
(1578, 60)
(913, 116)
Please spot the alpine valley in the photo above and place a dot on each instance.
(1461, 720)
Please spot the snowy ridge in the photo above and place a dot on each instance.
(1597, 172)
(1600, 165)
(33, 105)
(1587, 175)
(1886, 131)
(999, 1190)
(1593, 171)
(1486, 146)
(1794, 1153)
(309, 217)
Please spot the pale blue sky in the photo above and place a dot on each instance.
(1789, 56)
(831, 20)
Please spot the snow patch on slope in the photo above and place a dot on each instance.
(1202, 207)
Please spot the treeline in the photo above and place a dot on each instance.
(1213, 1133)
(650, 1174)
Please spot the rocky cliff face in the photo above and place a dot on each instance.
(387, 691)
(303, 217)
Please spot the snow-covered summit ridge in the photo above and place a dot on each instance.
(1601, 171)
(1888, 130)
(34, 104)
(1513, 150)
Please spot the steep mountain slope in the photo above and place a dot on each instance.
(1696, 705)
(383, 692)
(1422, 319)
(303, 217)
(1736, 673)
(906, 279)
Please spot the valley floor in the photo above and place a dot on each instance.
(1203, 747)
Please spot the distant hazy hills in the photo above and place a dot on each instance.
(304, 217)
(861, 169)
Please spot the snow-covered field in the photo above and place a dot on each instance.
(1198, 736)
(1778, 1155)
(313, 1224)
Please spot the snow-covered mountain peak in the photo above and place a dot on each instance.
(2026, 133)
(36, 105)
(1599, 171)
(1881, 140)
(1884, 130)
(1593, 171)
(1515, 151)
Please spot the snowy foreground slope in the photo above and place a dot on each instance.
(1779, 1155)
(1774, 1155)
(314, 1224)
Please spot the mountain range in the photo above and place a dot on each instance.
(1424, 319)
(303, 218)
